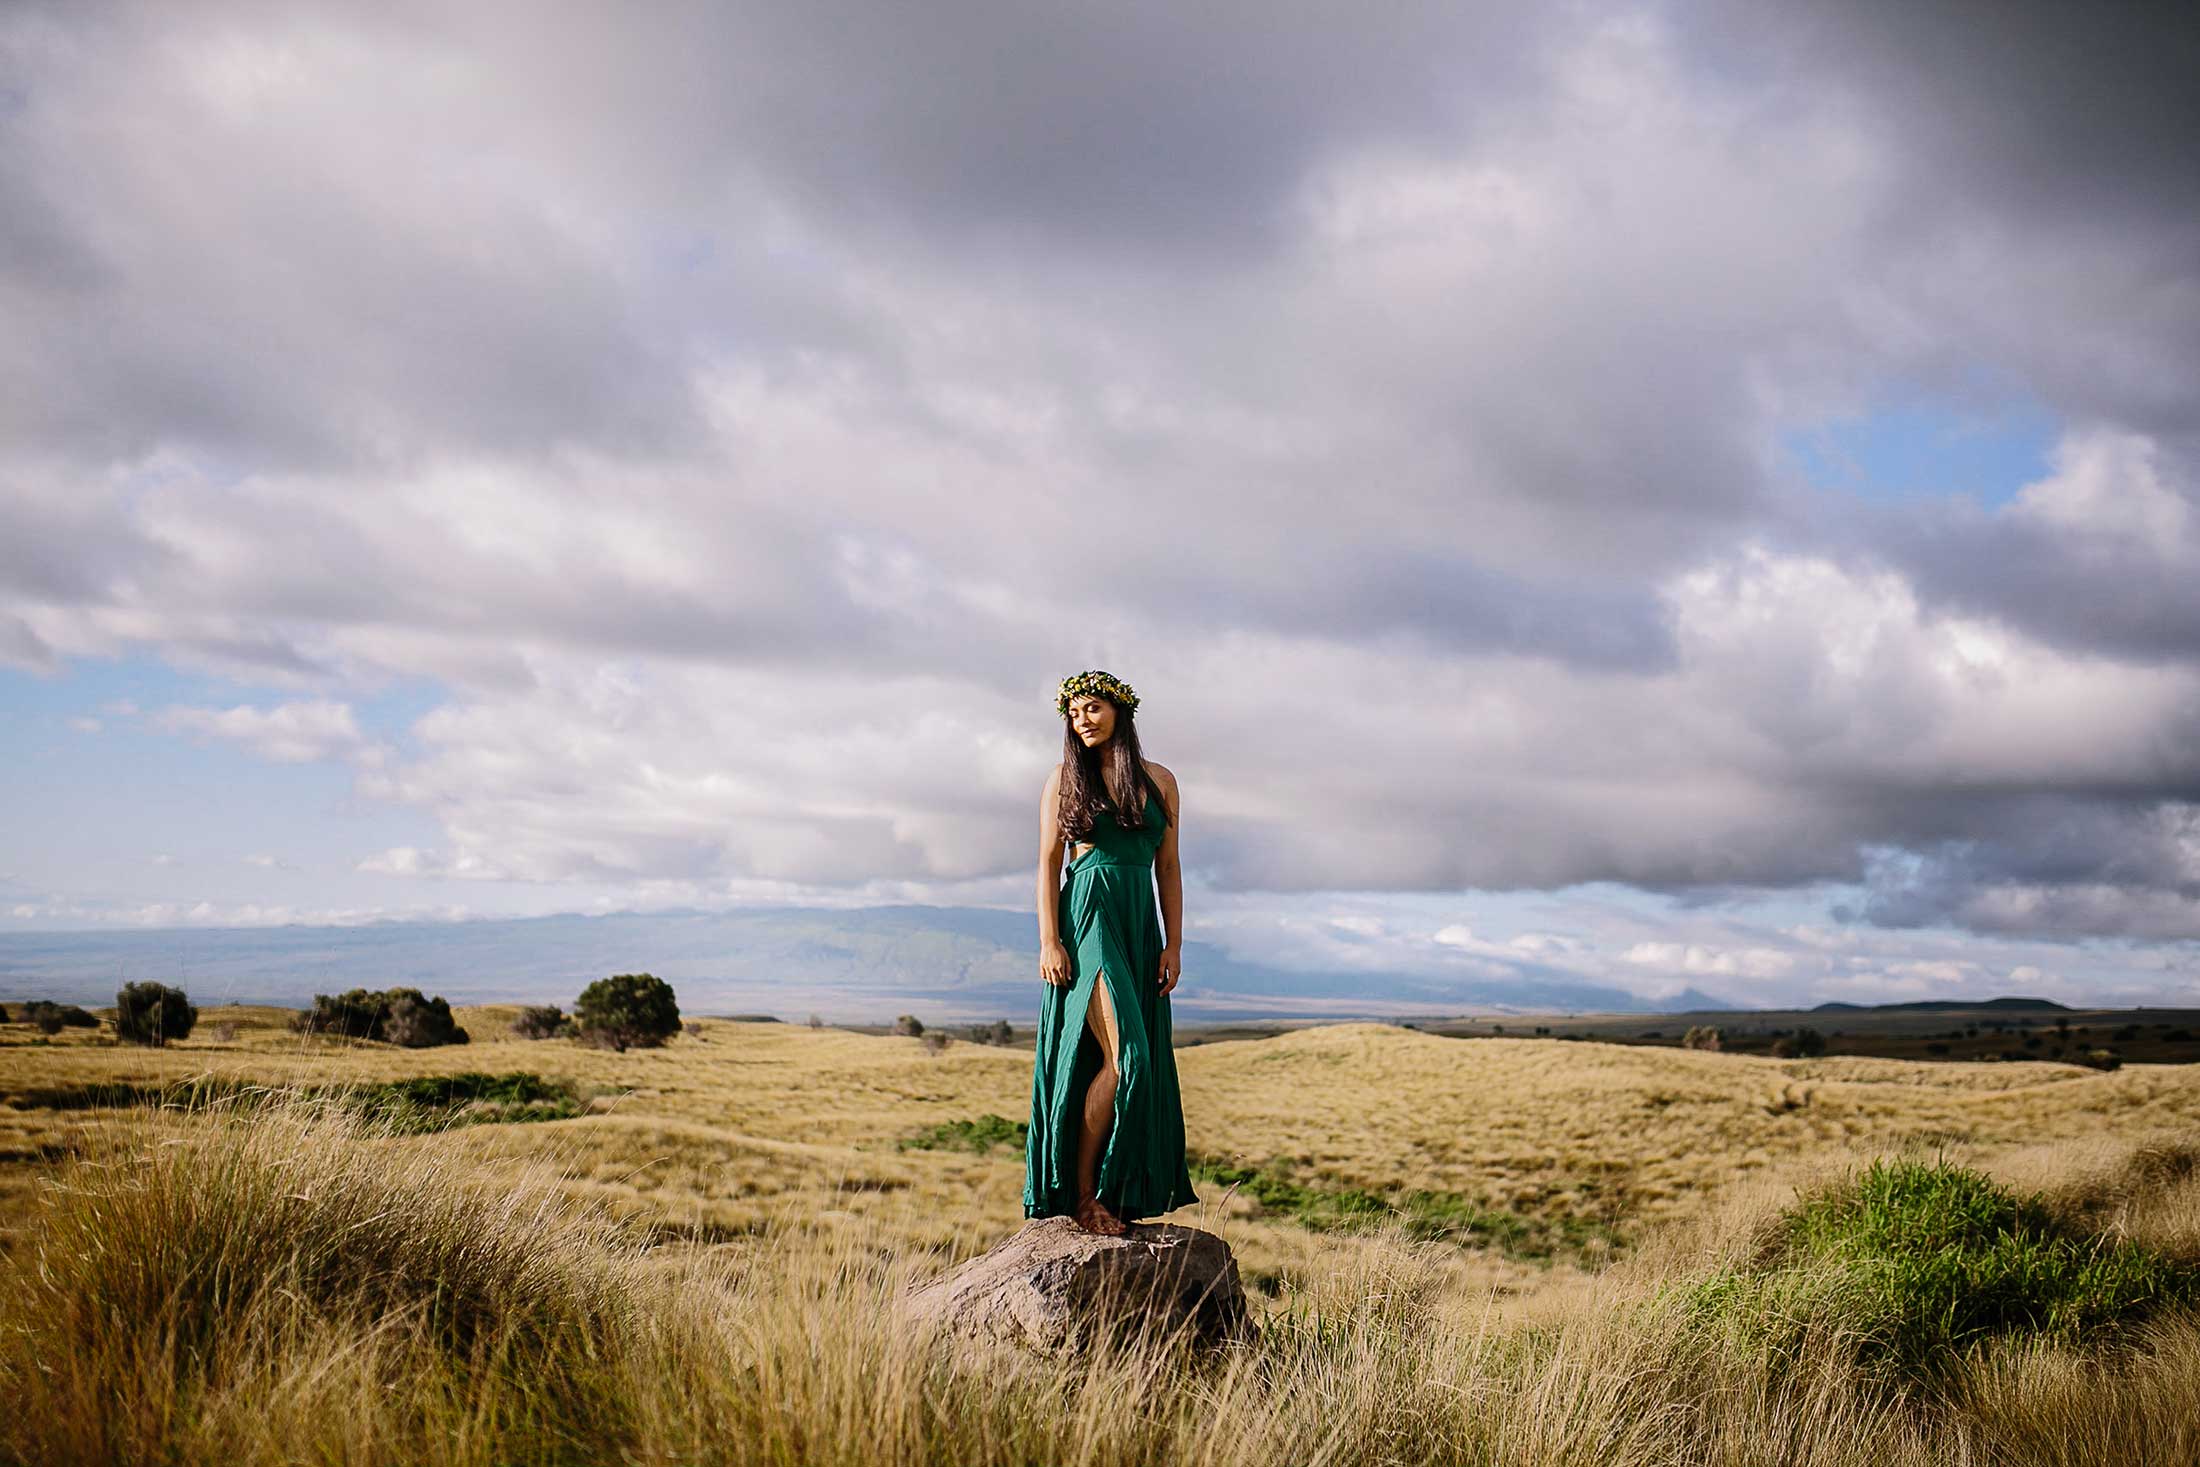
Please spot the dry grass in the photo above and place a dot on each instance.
(292, 1286)
(716, 1241)
(719, 1133)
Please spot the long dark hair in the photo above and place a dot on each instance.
(1109, 773)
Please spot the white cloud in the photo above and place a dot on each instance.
(290, 733)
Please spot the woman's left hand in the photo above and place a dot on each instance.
(1172, 966)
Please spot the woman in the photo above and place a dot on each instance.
(1107, 1126)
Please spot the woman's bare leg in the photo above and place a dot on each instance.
(1099, 1114)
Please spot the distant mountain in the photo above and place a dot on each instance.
(1947, 1006)
(944, 964)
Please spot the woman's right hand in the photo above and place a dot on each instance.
(1054, 963)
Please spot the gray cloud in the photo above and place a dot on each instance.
(748, 414)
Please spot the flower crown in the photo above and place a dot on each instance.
(1106, 684)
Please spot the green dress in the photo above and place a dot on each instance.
(1109, 922)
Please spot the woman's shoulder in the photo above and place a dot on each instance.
(1167, 780)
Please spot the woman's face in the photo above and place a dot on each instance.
(1093, 719)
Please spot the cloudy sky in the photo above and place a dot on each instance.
(1677, 494)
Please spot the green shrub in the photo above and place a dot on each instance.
(401, 1016)
(415, 1021)
(1702, 1036)
(153, 1013)
(541, 1021)
(1910, 1264)
(52, 1018)
(909, 1024)
(354, 1014)
(626, 1009)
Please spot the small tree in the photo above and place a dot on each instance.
(354, 1014)
(153, 1013)
(909, 1024)
(401, 1016)
(52, 1018)
(816, 1022)
(541, 1021)
(1701, 1036)
(412, 1020)
(4, 1019)
(935, 1041)
(1803, 1043)
(626, 1009)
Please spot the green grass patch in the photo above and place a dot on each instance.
(436, 1102)
(1326, 1208)
(424, 1103)
(1912, 1264)
(1423, 1213)
(980, 1135)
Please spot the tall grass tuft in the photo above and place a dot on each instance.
(287, 1254)
(1909, 1264)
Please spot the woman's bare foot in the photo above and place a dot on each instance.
(1093, 1216)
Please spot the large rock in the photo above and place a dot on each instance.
(1052, 1287)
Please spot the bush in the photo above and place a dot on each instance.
(1805, 1043)
(401, 1016)
(354, 1014)
(541, 1021)
(1913, 1263)
(4, 1018)
(626, 1009)
(909, 1024)
(415, 1021)
(1702, 1036)
(935, 1041)
(153, 1013)
(52, 1018)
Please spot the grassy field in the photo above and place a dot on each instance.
(1526, 1227)
(2001, 1029)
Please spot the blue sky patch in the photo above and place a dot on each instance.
(1915, 447)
